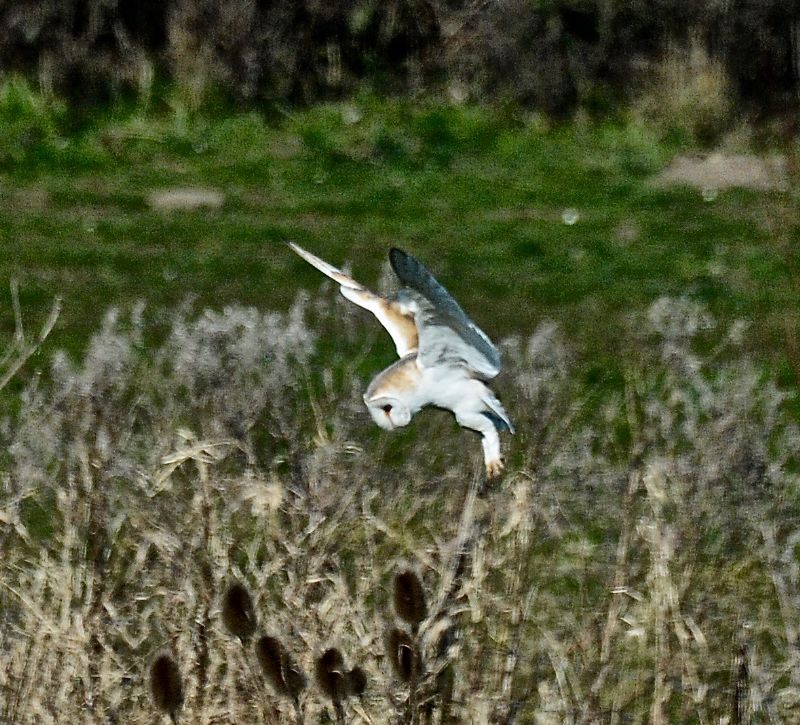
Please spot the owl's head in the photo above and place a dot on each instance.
(389, 412)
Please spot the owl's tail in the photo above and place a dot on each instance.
(496, 413)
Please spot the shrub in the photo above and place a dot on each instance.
(689, 95)
(30, 122)
(551, 54)
(623, 552)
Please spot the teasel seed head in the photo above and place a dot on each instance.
(409, 598)
(269, 652)
(356, 682)
(166, 686)
(276, 664)
(403, 654)
(331, 674)
(293, 677)
(238, 614)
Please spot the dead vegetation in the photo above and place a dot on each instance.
(719, 171)
(185, 199)
(22, 346)
(557, 55)
(212, 530)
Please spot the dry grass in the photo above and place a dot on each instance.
(719, 171)
(22, 347)
(691, 92)
(637, 564)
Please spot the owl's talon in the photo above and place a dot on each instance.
(494, 468)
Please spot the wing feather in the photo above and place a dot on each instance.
(446, 334)
(398, 323)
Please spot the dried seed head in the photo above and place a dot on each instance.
(409, 598)
(331, 674)
(165, 685)
(293, 677)
(238, 613)
(403, 654)
(356, 682)
(270, 654)
(283, 674)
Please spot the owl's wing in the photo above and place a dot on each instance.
(446, 335)
(399, 323)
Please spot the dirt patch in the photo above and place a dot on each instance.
(30, 199)
(185, 198)
(719, 171)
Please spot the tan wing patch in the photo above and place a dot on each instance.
(398, 323)
(401, 377)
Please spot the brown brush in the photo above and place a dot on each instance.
(238, 614)
(403, 654)
(356, 682)
(293, 677)
(165, 685)
(270, 654)
(409, 598)
(279, 669)
(331, 674)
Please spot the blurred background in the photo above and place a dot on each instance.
(553, 55)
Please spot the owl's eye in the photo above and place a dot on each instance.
(387, 408)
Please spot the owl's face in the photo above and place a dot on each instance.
(389, 412)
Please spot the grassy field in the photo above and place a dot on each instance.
(204, 426)
(479, 194)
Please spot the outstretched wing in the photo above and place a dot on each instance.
(446, 335)
(398, 322)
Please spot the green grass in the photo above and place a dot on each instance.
(646, 525)
(476, 193)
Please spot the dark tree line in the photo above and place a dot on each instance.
(549, 54)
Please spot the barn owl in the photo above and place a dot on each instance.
(445, 358)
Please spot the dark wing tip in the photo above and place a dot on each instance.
(399, 260)
(500, 424)
(410, 271)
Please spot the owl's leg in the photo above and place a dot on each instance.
(490, 439)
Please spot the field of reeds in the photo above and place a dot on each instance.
(198, 519)
(223, 502)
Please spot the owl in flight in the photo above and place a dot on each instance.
(445, 358)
